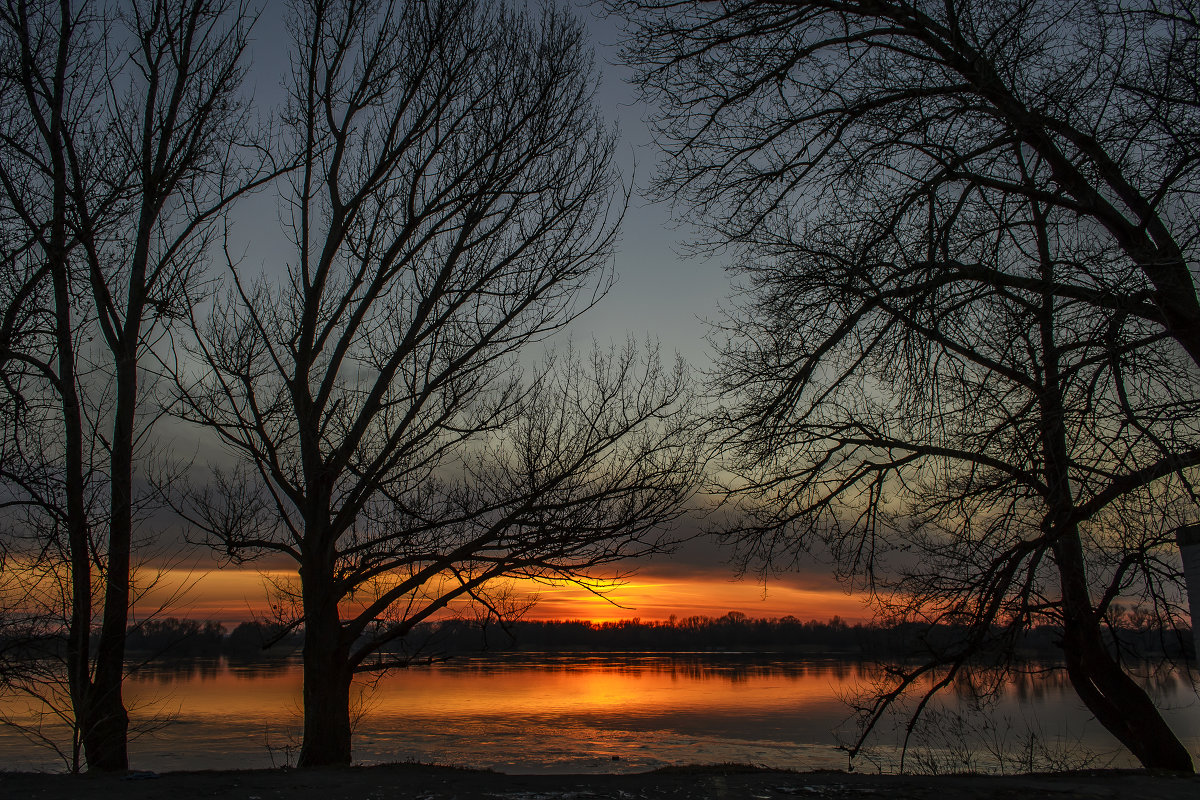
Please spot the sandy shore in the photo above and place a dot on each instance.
(418, 782)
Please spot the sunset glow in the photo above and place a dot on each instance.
(659, 598)
(237, 595)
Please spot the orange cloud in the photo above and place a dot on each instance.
(235, 595)
(658, 598)
(226, 595)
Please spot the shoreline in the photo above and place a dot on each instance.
(719, 782)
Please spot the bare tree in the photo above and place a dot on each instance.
(453, 204)
(971, 457)
(40, 332)
(125, 139)
(966, 356)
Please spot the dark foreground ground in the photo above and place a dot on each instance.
(417, 782)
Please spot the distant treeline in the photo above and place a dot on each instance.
(172, 637)
(738, 632)
(186, 638)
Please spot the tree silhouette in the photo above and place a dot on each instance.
(967, 347)
(124, 141)
(453, 204)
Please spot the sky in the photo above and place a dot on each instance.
(660, 294)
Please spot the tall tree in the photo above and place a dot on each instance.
(969, 329)
(50, 74)
(125, 142)
(453, 204)
(970, 455)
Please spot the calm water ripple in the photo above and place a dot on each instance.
(598, 713)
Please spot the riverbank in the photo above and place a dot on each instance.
(421, 782)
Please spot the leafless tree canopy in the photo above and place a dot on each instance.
(769, 107)
(965, 356)
(452, 203)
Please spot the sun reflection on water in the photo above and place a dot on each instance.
(576, 712)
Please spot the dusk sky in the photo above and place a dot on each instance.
(660, 294)
(377, 390)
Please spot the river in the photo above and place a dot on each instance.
(601, 713)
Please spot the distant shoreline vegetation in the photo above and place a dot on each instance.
(173, 638)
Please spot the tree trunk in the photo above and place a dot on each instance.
(106, 735)
(1120, 705)
(80, 626)
(106, 729)
(78, 544)
(327, 677)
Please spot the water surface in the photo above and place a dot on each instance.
(607, 713)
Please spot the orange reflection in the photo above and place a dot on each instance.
(220, 690)
(215, 691)
(545, 690)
